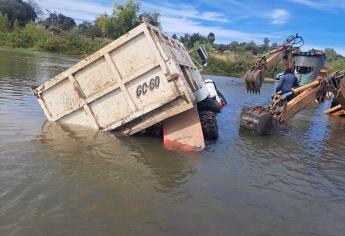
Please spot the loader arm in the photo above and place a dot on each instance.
(337, 87)
(262, 120)
(255, 76)
(303, 96)
(307, 94)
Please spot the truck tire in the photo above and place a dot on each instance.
(209, 104)
(209, 125)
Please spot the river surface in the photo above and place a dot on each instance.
(58, 180)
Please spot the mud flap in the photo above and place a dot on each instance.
(184, 132)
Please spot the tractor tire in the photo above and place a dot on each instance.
(209, 125)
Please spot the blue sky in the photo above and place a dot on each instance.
(321, 23)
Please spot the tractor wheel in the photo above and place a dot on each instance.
(209, 124)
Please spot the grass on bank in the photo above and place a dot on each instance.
(38, 38)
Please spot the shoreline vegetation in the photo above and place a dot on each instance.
(22, 27)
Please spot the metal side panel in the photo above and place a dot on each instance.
(121, 82)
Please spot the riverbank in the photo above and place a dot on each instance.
(38, 38)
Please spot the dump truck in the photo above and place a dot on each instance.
(142, 79)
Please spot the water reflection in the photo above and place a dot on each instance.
(81, 145)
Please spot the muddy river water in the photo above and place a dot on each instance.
(58, 180)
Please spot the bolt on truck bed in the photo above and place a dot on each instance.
(138, 80)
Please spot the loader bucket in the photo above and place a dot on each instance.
(254, 80)
(259, 120)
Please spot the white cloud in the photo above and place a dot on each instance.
(280, 16)
(308, 3)
(223, 35)
(80, 10)
(324, 5)
(184, 10)
(253, 10)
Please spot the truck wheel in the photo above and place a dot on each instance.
(209, 104)
(209, 124)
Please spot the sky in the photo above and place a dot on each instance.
(320, 23)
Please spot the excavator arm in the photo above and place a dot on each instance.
(255, 76)
(337, 87)
(262, 120)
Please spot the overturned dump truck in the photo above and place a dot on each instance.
(142, 79)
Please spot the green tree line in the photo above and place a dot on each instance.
(234, 58)
(20, 27)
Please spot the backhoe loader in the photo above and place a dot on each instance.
(263, 119)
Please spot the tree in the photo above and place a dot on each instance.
(89, 30)
(3, 23)
(233, 46)
(123, 19)
(274, 45)
(101, 22)
(16, 26)
(174, 36)
(189, 41)
(197, 38)
(186, 40)
(83, 26)
(331, 54)
(93, 31)
(334, 60)
(221, 47)
(211, 38)
(152, 17)
(18, 10)
(59, 21)
(36, 8)
(266, 45)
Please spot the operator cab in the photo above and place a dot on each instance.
(308, 65)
